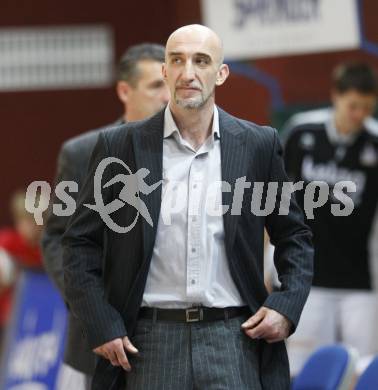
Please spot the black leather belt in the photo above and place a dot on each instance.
(193, 314)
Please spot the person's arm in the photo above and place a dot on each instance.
(83, 245)
(293, 259)
(67, 169)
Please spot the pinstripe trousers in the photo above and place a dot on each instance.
(186, 356)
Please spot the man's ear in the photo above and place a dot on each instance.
(164, 70)
(123, 90)
(222, 75)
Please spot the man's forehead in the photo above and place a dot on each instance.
(149, 64)
(191, 48)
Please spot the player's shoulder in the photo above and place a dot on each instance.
(313, 121)
(371, 126)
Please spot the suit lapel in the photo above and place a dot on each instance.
(234, 166)
(148, 147)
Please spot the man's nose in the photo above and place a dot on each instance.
(188, 72)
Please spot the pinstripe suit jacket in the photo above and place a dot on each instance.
(106, 298)
(72, 165)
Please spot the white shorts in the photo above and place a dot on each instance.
(71, 379)
(335, 316)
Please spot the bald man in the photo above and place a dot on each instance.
(177, 301)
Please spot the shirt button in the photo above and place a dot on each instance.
(194, 219)
(193, 250)
(194, 185)
(193, 281)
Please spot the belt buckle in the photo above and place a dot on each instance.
(194, 314)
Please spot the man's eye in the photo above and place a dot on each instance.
(158, 84)
(176, 60)
(202, 61)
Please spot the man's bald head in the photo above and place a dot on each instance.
(194, 66)
(197, 34)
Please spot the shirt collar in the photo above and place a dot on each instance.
(171, 128)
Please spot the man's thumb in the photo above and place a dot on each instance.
(129, 346)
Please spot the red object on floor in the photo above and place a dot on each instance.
(24, 255)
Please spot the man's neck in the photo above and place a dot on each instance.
(131, 116)
(195, 125)
(133, 113)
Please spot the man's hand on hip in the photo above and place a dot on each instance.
(267, 324)
(115, 351)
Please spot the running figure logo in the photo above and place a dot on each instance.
(133, 183)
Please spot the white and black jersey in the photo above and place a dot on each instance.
(315, 151)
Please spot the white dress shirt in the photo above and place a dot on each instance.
(189, 265)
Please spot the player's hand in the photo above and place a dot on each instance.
(267, 324)
(115, 352)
